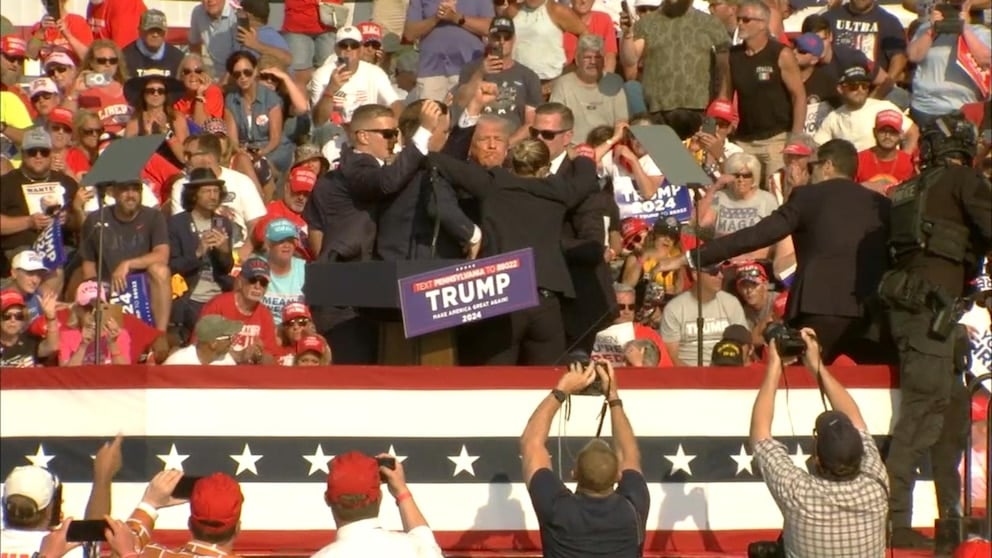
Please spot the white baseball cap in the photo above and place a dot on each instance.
(43, 85)
(349, 33)
(31, 482)
(28, 260)
(647, 3)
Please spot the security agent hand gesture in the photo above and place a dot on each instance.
(577, 378)
(430, 116)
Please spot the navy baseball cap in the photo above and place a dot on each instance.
(839, 448)
(809, 43)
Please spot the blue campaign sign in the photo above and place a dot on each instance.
(468, 292)
(136, 298)
(668, 201)
(49, 245)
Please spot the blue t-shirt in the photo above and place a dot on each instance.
(285, 289)
(876, 33)
(574, 525)
(268, 36)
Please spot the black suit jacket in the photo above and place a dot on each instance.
(521, 213)
(407, 218)
(183, 241)
(839, 229)
(582, 241)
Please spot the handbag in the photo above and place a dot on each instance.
(332, 15)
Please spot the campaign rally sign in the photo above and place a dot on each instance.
(49, 245)
(135, 299)
(468, 292)
(669, 200)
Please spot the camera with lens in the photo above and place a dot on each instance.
(788, 341)
(596, 387)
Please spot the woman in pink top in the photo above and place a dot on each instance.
(77, 337)
(598, 23)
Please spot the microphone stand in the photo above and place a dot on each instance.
(101, 191)
(697, 190)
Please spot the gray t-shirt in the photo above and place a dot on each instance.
(678, 323)
(603, 105)
(733, 215)
(518, 87)
(206, 288)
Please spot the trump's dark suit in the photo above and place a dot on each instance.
(839, 229)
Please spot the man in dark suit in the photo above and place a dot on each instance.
(840, 230)
(583, 234)
(423, 220)
(520, 209)
(199, 241)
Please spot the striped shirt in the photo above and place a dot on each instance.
(142, 524)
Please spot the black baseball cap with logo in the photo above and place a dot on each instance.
(855, 74)
(501, 25)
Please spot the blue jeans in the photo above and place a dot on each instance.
(309, 51)
(635, 97)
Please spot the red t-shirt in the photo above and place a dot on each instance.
(259, 326)
(599, 24)
(55, 40)
(110, 105)
(157, 173)
(644, 332)
(302, 16)
(23, 96)
(77, 161)
(214, 105)
(870, 169)
(116, 20)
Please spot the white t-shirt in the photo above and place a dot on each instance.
(18, 543)
(678, 323)
(857, 126)
(242, 197)
(366, 538)
(369, 84)
(187, 355)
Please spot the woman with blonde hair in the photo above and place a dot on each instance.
(105, 57)
(86, 128)
(523, 207)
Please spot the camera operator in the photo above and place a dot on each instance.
(939, 85)
(939, 229)
(597, 519)
(839, 229)
(354, 496)
(839, 509)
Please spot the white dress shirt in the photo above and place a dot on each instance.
(366, 538)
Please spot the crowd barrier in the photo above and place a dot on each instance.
(456, 431)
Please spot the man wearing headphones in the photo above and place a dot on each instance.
(940, 226)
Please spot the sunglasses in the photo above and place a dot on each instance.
(268, 77)
(38, 152)
(501, 36)
(61, 128)
(106, 60)
(743, 175)
(298, 322)
(376, 45)
(188, 71)
(386, 133)
(349, 45)
(15, 59)
(155, 91)
(547, 135)
(237, 74)
(18, 316)
(56, 69)
(261, 281)
(627, 306)
(855, 86)
(91, 132)
(43, 97)
(746, 19)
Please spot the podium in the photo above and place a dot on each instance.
(371, 288)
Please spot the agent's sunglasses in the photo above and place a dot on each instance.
(386, 133)
(546, 135)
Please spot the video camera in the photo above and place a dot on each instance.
(788, 341)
